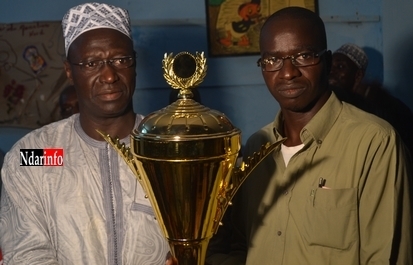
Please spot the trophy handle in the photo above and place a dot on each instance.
(239, 175)
(125, 153)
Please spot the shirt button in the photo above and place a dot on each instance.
(286, 192)
(319, 141)
(279, 233)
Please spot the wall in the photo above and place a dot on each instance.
(234, 84)
(397, 44)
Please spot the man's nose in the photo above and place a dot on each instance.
(108, 72)
(288, 69)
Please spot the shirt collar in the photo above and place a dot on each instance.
(319, 126)
(96, 143)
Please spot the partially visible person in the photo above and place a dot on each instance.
(91, 209)
(349, 64)
(336, 189)
(68, 102)
(346, 79)
(348, 67)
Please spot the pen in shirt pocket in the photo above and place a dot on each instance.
(322, 183)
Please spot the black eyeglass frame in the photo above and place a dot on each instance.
(315, 55)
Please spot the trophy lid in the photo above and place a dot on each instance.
(178, 130)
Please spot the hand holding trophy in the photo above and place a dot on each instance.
(184, 156)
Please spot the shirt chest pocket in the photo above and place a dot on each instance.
(330, 218)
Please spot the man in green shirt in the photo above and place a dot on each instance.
(337, 190)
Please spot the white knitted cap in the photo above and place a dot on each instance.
(85, 17)
(355, 53)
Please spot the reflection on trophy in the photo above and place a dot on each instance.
(184, 156)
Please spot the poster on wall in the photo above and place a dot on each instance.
(234, 25)
(31, 73)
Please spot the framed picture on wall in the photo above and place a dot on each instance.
(234, 25)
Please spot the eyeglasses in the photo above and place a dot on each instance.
(272, 64)
(96, 65)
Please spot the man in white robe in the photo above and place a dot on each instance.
(90, 209)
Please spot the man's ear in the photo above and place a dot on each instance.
(68, 70)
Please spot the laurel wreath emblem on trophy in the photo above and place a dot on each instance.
(184, 70)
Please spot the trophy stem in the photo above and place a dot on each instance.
(189, 252)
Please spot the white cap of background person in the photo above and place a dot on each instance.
(355, 54)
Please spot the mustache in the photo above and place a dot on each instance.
(108, 89)
(290, 86)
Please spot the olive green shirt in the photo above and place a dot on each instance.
(281, 216)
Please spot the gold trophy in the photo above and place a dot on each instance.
(184, 155)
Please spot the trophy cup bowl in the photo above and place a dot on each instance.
(184, 156)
